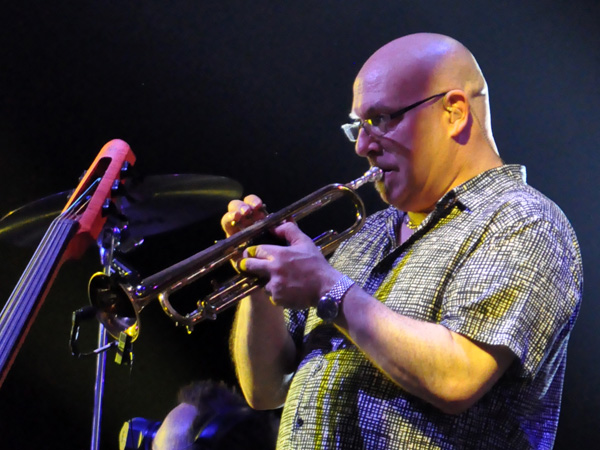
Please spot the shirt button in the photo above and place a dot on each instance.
(299, 422)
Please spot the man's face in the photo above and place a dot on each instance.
(411, 152)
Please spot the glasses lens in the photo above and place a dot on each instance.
(351, 130)
(378, 125)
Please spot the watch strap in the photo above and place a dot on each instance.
(341, 286)
(328, 307)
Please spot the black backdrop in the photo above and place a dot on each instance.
(256, 91)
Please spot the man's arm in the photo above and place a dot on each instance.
(427, 360)
(263, 352)
(262, 349)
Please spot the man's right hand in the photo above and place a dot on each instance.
(242, 213)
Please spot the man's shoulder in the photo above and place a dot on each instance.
(523, 202)
(504, 193)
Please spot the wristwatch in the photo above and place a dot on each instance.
(328, 307)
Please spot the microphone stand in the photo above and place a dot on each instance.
(109, 240)
(107, 244)
(99, 388)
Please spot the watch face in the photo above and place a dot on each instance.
(327, 308)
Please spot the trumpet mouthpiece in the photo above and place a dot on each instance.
(374, 174)
(370, 176)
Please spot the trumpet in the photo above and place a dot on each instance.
(118, 304)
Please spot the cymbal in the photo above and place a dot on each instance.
(157, 204)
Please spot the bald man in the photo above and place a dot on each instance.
(210, 416)
(443, 323)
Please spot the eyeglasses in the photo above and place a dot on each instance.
(378, 126)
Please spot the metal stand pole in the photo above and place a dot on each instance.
(107, 245)
(99, 388)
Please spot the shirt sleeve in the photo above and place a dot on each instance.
(296, 323)
(520, 287)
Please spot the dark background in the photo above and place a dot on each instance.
(256, 91)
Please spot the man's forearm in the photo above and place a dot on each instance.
(263, 352)
(426, 359)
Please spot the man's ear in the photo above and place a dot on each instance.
(457, 108)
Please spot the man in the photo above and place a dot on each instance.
(454, 305)
(208, 416)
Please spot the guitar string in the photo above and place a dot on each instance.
(15, 316)
(54, 238)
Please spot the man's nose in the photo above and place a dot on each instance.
(365, 143)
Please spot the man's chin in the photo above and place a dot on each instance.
(397, 202)
(380, 188)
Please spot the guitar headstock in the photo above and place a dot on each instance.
(68, 237)
(86, 204)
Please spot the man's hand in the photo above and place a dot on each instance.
(241, 214)
(298, 274)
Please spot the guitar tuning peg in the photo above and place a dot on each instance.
(110, 209)
(125, 169)
(116, 188)
(128, 171)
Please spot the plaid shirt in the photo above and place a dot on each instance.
(496, 261)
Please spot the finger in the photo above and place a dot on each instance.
(291, 233)
(228, 223)
(254, 201)
(259, 209)
(260, 251)
(268, 291)
(233, 222)
(239, 209)
(237, 205)
(251, 251)
(252, 254)
(241, 215)
(255, 266)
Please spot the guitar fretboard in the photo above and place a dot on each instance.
(20, 310)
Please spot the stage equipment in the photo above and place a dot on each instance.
(118, 302)
(69, 235)
(114, 208)
(138, 434)
(151, 205)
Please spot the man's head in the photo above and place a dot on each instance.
(437, 144)
(212, 416)
(176, 430)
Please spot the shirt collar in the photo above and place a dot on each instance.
(468, 195)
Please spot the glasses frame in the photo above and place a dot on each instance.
(352, 130)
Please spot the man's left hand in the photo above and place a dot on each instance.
(298, 274)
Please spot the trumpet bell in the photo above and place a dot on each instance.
(114, 309)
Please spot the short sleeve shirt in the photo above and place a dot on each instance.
(497, 262)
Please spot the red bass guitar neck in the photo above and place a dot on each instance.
(69, 235)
